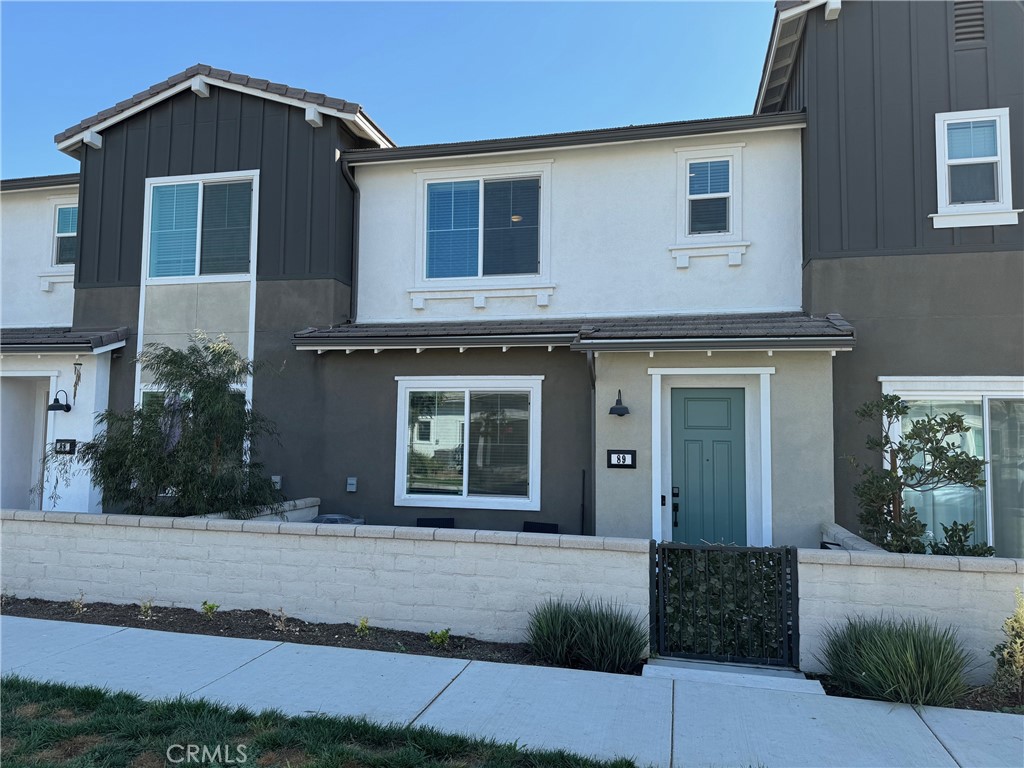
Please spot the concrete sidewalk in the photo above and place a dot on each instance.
(690, 719)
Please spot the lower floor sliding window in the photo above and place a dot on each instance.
(995, 413)
(469, 443)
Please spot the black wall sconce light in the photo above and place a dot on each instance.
(618, 409)
(57, 405)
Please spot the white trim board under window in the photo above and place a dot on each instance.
(450, 463)
(972, 167)
(690, 240)
(479, 287)
(190, 233)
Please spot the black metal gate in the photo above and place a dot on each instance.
(720, 603)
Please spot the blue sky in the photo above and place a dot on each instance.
(425, 72)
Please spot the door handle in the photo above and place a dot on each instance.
(675, 514)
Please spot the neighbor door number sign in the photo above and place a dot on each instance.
(618, 459)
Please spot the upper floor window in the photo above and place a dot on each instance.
(201, 226)
(483, 227)
(973, 169)
(66, 235)
(708, 193)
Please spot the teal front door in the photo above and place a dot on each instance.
(709, 495)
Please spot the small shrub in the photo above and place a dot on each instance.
(957, 541)
(907, 661)
(363, 628)
(280, 621)
(440, 639)
(209, 609)
(588, 635)
(78, 604)
(1009, 655)
(146, 610)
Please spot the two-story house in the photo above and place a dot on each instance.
(53, 380)
(600, 331)
(913, 185)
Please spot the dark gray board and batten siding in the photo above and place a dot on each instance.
(305, 221)
(875, 79)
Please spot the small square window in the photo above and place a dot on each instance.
(66, 235)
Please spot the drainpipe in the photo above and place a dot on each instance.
(353, 300)
(591, 367)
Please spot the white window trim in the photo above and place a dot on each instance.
(424, 288)
(55, 269)
(981, 389)
(729, 244)
(201, 178)
(407, 384)
(974, 214)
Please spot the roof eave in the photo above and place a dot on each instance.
(579, 139)
(370, 343)
(741, 344)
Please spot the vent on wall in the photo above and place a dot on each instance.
(968, 21)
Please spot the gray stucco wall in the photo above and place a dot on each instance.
(336, 413)
(939, 315)
(801, 438)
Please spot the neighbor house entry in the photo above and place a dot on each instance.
(708, 466)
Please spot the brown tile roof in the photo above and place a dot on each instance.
(58, 339)
(310, 97)
(793, 328)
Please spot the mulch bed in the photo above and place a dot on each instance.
(261, 625)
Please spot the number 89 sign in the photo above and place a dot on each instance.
(621, 459)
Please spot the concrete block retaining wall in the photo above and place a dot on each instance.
(972, 594)
(479, 583)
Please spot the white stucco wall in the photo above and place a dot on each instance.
(56, 372)
(27, 226)
(612, 220)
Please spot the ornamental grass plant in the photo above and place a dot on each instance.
(909, 661)
(588, 634)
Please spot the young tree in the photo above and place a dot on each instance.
(191, 451)
(922, 459)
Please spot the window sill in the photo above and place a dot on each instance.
(461, 502)
(541, 293)
(733, 251)
(55, 275)
(988, 218)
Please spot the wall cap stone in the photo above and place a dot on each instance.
(263, 526)
(833, 533)
(883, 559)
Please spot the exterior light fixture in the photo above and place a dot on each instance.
(618, 409)
(57, 405)
(516, 218)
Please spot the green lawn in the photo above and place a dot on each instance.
(57, 725)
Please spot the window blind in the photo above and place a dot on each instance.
(227, 220)
(173, 221)
(67, 220)
(453, 234)
(976, 138)
(511, 227)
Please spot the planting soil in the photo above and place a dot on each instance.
(262, 625)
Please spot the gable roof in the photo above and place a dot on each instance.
(69, 139)
(783, 47)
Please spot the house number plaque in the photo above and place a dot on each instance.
(65, 447)
(618, 459)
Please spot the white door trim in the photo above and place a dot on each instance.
(756, 383)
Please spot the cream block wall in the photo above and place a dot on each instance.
(174, 311)
(613, 218)
(972, 594)
(480, 583)
(802, 460)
